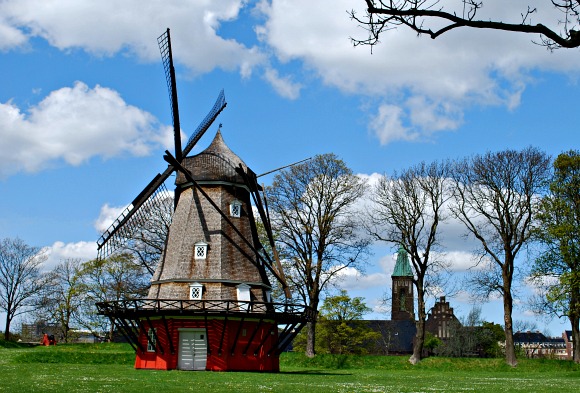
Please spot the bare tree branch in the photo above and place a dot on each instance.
(382, 16)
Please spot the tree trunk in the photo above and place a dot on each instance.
(7, 328)
(112, 330)
(420, 335)
(575, 338)
(510, 350)
(311, 339)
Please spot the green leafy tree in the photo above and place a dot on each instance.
(431, 343)
(557, 270)
(317, 229)
(340, 328)
(493, 334)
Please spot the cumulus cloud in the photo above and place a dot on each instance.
(74, 124)
(351, 278)
(108, 27)
(283, 85)
(60, 251)
(107, 215)
(422, 85)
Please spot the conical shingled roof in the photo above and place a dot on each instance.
(216, 163)
(402, 267)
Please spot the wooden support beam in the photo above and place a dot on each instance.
(167, 333)
(232, 351)
(282, 338)
(223, 335)
(266, 336)
(252, 337)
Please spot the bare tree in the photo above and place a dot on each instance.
(115, 278)
(433, 18)
(63, 297)
(21, 280)
(409, 209)
(496, 196)
(317, 230)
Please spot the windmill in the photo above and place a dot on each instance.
(134, 216)
(210, 303)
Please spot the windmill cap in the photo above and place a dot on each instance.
(216, 163)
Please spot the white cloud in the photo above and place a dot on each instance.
(107, 27)
(60, 251)
(73, 124)
(283, 85)
(350, 278)
(10, 36)
(107, 215)
(422, 85)
(388, 126)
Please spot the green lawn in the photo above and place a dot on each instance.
(108, 368)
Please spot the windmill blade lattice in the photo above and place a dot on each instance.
(164, 42)
(218, 106)
(135, 217)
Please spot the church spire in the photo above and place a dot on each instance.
(402, 267)
(403, 303)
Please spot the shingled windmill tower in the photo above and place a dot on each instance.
(209, 306)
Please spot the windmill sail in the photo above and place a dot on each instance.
(164, 42)
(135, 216)
(220, 104)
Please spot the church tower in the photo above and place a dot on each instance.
(403, 304)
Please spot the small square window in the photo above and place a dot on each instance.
(200, 251)
(236, 208)
(195, 291)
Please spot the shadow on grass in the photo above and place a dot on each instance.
(314, 372)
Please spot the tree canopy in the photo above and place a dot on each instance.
(557, 269)
(317, 229)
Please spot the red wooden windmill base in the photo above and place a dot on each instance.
(215, 335)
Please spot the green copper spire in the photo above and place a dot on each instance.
(402, 267)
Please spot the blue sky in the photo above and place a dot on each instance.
(85, 118)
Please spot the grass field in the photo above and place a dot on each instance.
(109, 368)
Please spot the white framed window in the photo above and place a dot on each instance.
(268, 295)
(195, 291)
(151, 340)
(243, 293)
(200, 251)
(236, 208)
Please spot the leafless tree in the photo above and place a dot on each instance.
(317, 230)
(21, 280)
(63, 297)
(495, 197)
(434, 18)
(112, 279)
(409, 210)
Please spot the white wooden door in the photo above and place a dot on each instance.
(192, 350)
